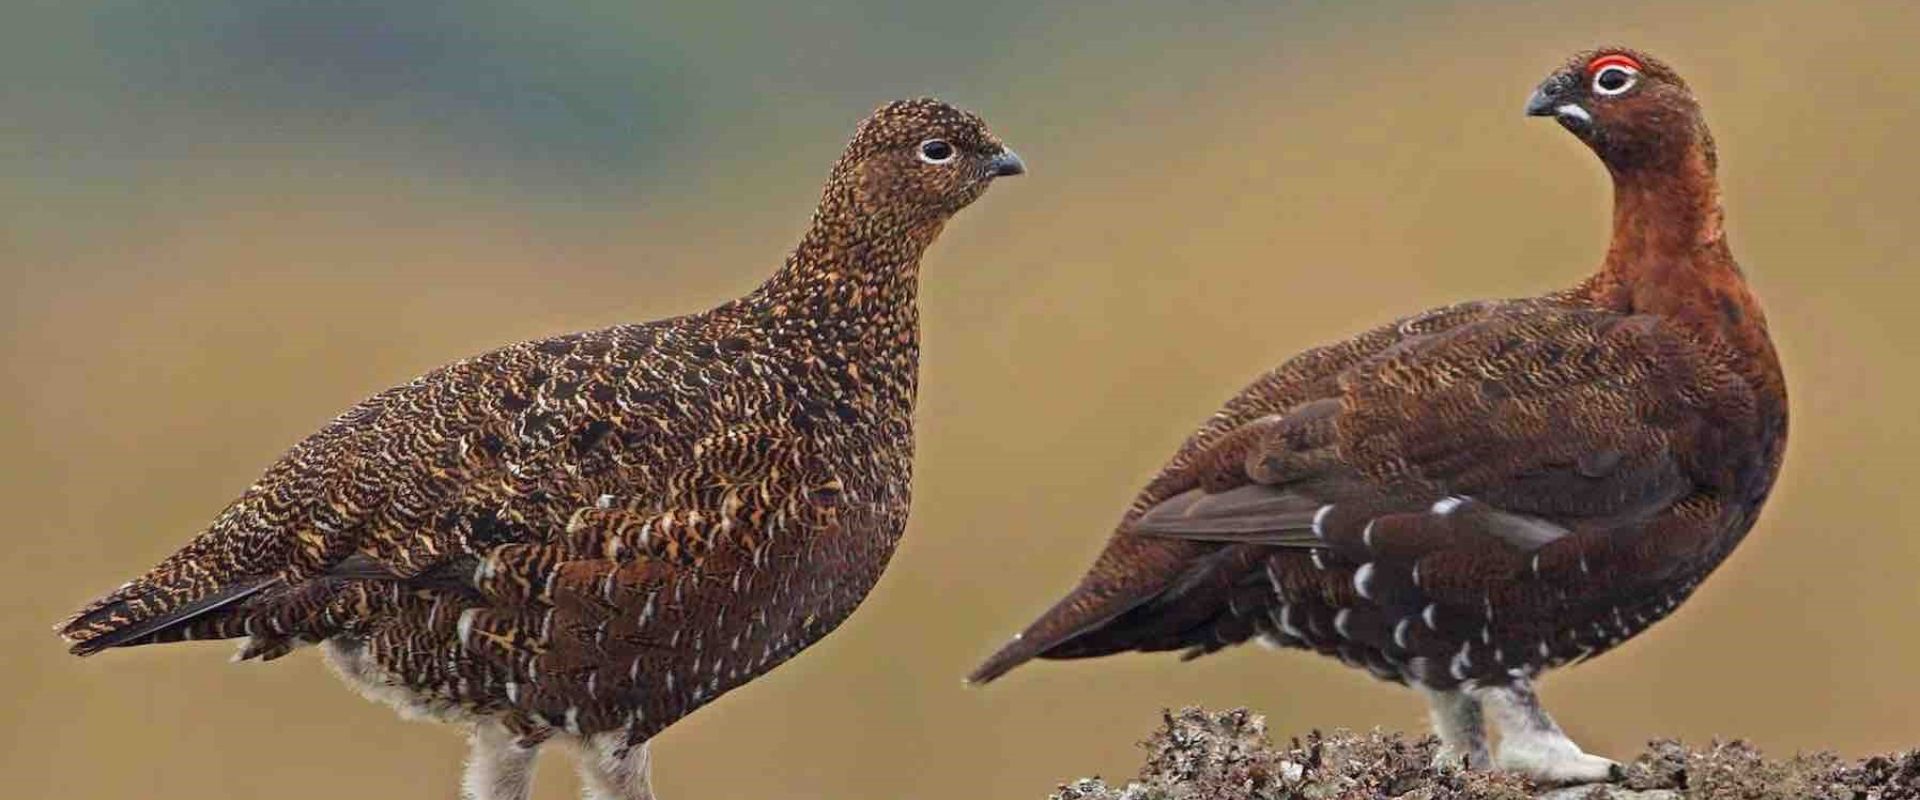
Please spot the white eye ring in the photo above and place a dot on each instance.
(1628, 75)
(937, 151)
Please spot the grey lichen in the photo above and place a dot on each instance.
(1200, 755)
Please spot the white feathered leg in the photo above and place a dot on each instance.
(611, 770)
(1530, 742)
(498, 768)
(1463, 735)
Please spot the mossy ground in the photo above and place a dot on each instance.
(1200, 755)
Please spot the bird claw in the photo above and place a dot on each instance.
(1448, 758)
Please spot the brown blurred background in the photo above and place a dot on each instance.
(226, 220)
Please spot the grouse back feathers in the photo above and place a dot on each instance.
(1472, 495)
(597, 533)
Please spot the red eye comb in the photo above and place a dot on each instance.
(1613, 60)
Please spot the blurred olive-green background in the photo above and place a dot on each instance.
(226, 220)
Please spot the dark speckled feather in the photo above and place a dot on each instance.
(603, 531)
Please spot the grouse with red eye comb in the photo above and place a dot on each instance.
(1468, 497)
(591, 536)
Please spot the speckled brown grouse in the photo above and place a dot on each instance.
(1465, 498)
(592, 535)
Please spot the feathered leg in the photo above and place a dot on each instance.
(613, 770)
(498, 767)
(1532, 744)
(1457, 721)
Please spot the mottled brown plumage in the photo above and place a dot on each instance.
(1470, 496)
(597, 533)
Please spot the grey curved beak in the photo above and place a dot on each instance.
(1551, 95)
(1555, 98)
(1006, 163)
(1541, 103)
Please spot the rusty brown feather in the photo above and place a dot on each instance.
(600, 532)
(1472, 495)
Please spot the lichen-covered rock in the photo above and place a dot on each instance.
(1200, 755)
(1735, 770)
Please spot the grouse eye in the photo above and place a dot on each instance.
(1613, 73)
(936, 151)
(1612, 80)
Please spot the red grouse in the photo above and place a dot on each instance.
(1465, 498)
(591, 536)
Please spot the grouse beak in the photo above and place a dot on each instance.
(1541, 103)
(1006, 163)
(1550, 100)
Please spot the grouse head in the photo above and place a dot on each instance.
(1633, 110)
(915, 161)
